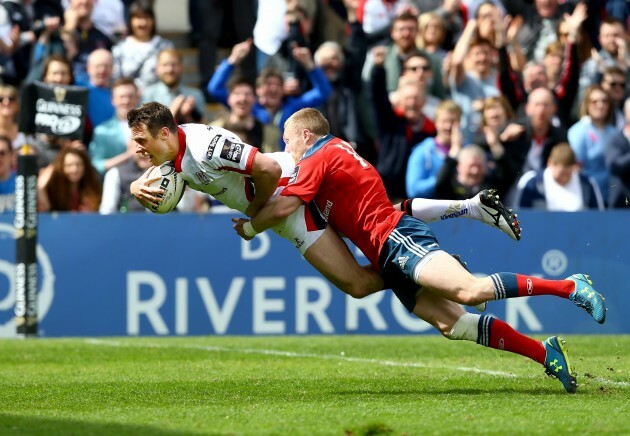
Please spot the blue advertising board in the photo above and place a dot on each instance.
(189, 274)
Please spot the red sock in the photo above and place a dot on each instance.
(504, 337)
(511, 285)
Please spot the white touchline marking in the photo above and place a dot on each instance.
(113, 343)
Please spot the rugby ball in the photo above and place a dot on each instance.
(172, 183)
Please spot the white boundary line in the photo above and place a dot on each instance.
(291, 354)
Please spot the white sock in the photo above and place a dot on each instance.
(429, 210)
(466, 328)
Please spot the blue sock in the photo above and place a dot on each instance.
(505, 285)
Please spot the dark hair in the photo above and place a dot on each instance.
(268, 72)
(611, 21)
(154, 116)
(58, 187)
(122, 81)
(418, 54)
(141, 7)
(405, 15)
(240, 80)
(239, 128)
(57, 58)
(484, 3)
(613, 69)
(480, 41)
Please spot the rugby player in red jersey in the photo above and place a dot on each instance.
(430, 283)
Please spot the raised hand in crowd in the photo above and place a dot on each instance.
(182, 108)
(240, 52)
(514, 25)
(451, 6)
(304, 56)
(351, 9)
(51, 25)
(457, 140)
(574, 22)
(70, 19)
(511, 132)
(378, 54)
(10, 45)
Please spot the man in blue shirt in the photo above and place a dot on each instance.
(273, 105)
(99, 68)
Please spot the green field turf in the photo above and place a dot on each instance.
(309, 385)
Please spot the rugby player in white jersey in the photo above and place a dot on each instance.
(215, 161)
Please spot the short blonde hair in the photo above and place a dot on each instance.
(449, 106)
(423, 22)
(311, 119)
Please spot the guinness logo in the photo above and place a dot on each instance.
(60, 94)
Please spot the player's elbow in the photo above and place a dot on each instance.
(281, 213)
(283, 206)
(273, 170)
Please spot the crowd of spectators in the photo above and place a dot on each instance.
(444, 97)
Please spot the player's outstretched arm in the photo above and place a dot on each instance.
(265, 174)
(276, 210)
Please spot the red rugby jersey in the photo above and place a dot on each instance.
(349, 192)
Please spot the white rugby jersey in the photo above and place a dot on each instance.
(215, 161)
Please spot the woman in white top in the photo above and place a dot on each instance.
(136, 55)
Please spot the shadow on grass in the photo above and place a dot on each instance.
(456, 391)
(32, 425)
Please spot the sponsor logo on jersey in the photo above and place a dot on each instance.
(221, 192)
(298, 242)
(203, 178)
(294, 175)
(326, 213)
(232, 151)
(530, 286)
(211, 147)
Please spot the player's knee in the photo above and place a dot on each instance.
(356, 292)
(444, 331)
(469, 295)
(465, 297)
(350, 289)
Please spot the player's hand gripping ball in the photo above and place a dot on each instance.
(172, 183)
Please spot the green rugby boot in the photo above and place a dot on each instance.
(557, 363)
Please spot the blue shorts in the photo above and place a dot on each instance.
(406, 245)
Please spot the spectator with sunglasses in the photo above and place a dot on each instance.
(589, 136)
(9, 109)
(417, 69)
(614, 83)
(617, 154)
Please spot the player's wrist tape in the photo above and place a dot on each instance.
(249, 230)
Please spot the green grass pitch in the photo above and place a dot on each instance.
(305, 385)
